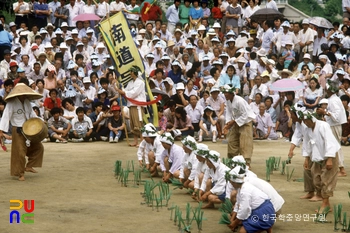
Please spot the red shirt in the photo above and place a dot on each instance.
(50, 104)
(217, 14)
(154, 13)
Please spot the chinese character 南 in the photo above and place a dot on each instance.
(118, 33)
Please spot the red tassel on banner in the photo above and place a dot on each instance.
(140, 103)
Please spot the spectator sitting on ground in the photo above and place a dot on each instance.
(115, 125)
(82, 127)
(59, 126)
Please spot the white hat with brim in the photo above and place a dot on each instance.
(42, 54)
(86, 80)
(49, 25)
(90, 30)
(205, 58)
(150, 55)
(305, 21)
(22, 89)
(71, 65)
(31, 81)
(11, 24)
(189, 46)
(149, 131)
(261, 52)
(306, 56)
(340, 71)
(80, 44)
(241, 60)
(165, 57)
(158, 45)
(142, 31)
(211, 32)
(167, 138)
(218, 62)
(48, 45)
(201, 28)
(285, 24)
(178, 30)
(190, 143)
(168, 80)
(208, 107)
(180, 86)
(63, 45)
(216, 25)
(214, 89)
(176, 63)
(265, 74)
(285, 71)
(100, 45)
(215, 39)
(75, 31)
(64, 24)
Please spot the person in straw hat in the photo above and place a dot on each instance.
(239, 118)
(135, 90)
(18, 110)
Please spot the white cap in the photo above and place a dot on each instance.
(63, 45)
(86, 80)
(64, 24)
(80, 43)
(89, 30)
(48, 45)
(216, 25)
(180, 86)
(75, 31)
(305, 21)
(100, 45)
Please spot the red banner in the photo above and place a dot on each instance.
(140, 103)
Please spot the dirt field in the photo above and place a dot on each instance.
(75, 191)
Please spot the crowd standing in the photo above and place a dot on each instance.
(214, 66)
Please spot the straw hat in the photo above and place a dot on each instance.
(286, 71)
(21, 89)
(171, 43)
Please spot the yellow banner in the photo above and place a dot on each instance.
(116, 33)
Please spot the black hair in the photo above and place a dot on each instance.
(190, 73)
(59, 55)
(253, 55)
(8, 82)
(79, 109)
(38, 37)
(288, 102)
(92, 74)
(55, 110)
(24, 80)
(159, 62)
(159, 70)
(261, 96)
(23, 37)
(205, 115)
(269, 98)
(231, 66)
(160, 108)
(196, 65)
(345, 98)
(40, 80)
(194, 96)
(35, 108)
(78, 56)
(67, 100)
(97, 104)
(182, 112)
(336, 24)
(103, 81)
(171, 103)
(292, 65)
(316, 81)
(73, 72)
(53, 90)
(213, 71)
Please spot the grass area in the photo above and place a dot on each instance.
(9, 17)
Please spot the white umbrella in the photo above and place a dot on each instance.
(321, 22)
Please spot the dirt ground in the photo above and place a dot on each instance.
(76, 191)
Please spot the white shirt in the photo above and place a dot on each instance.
(135, 90)
(145, 148)
(336, 109)
(249, 198)
(132, 16)
(175, 157)
(298, 134)
(89, 93)
(16, 113)
(276, 199)
(24, 7)
(73, 12)
(230, 188)
(272, 5)
(239, 110)
(317, 45)
(202, 54)
(89, 9)
(201, 168)
(262, 89)
(320, 143)
(195, 113)
(114, 6)
(217, 177)
(103, 9)
(190, 162)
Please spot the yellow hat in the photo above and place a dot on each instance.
(22, 89)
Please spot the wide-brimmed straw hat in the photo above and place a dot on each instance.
(22, 89)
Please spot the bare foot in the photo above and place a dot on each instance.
(307, 196)
(30, 169)
(209, 206)
(315, 198)
(21, 178)
(342, 174)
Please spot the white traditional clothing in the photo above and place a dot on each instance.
(217, 178)
(145, 148)
(230, 188)
(276, 199)
(175, 158)
(190, 162)
(264, 122)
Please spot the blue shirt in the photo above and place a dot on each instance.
(272, 113)
(225, 79)
(267, 38)
(41, 7)
(175, 77)
(196, 14)
(172, 14)
(5, 38)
